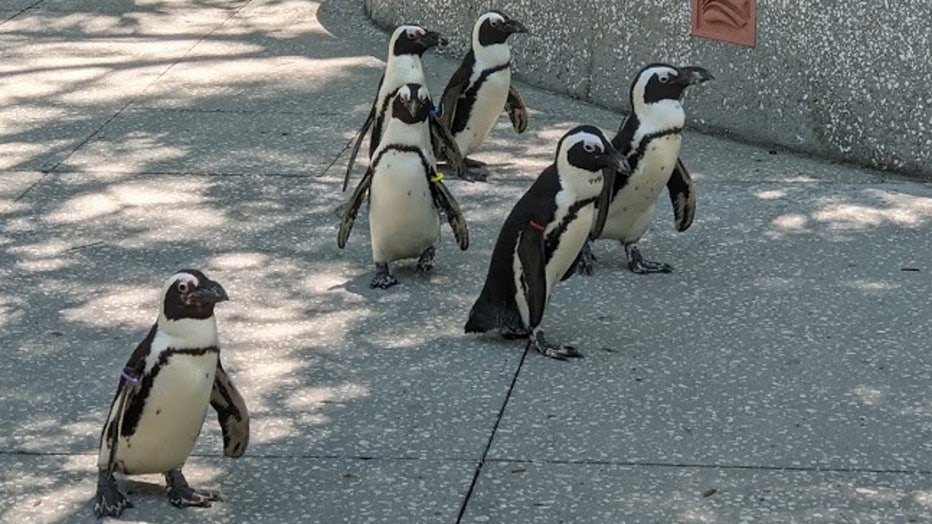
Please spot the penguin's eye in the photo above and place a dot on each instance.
(411, 35)
(589, 148)
(664, 78)
(183, 287)
(496, 22)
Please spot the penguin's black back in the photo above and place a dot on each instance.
(496, 307)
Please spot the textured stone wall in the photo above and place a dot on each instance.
(846, 79)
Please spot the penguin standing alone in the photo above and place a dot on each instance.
(650, 139)
(406, 194)
(540, 242)
(481, 89)
(405, 49)
(163, 394)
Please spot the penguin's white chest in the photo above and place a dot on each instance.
(489, 104)
(571, 243)
(403, 221)
(172, 416)
(632, 209)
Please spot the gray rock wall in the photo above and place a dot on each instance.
(845, 79)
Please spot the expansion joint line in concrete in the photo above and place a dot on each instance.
(150, 84)
(31, 187)
(259, 456)
(692, 465)
(488, 445)
(536, 462)
(23, 10)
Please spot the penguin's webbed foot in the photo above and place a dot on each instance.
(109, 500)
(637, 263)
(586, 259)
(511, 333)
(181, 495)
(476, 171)
(425, 264)
(477, 174)
(383, 277)
(545, 348)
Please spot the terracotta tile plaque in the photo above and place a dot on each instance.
(732, 21)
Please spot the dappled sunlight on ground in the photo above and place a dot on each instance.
(35, 487)
(144, 136)
(869, 396)
(836, 217)
(113, 57)
(115, 305)
(903, 210)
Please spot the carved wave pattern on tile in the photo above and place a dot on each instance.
(731, 13)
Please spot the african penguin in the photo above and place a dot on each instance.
(163, 394)
(481, 89)
(650, 139)
(405, 49)
(540, 242)
(406, 194)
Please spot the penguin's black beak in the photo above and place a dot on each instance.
(514, 26)
(412, 105)
(615, 160)
(210, 292)
(431, 39)
(613, 164)
(692, 75)
(422, 108)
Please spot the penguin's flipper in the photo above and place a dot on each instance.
(443, 138)
(137, 361)
(445, 202)
(109, 501)
(683, 196)
(122, 400)
(357, 143)
(454, 89)
(533, 270)
(352, 207)
(231, 413)
(517, 110)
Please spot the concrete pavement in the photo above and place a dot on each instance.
(781, 374)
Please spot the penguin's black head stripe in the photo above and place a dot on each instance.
(192, 295)
(495, 28)
(413, 39)
(591, 150)
(667, 82)
(412, 104)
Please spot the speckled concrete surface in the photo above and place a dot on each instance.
(256, 489)
(790, 336)
(13, 185)
(212, 142)
(742, 362)
(845, 80)
(609, 493)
